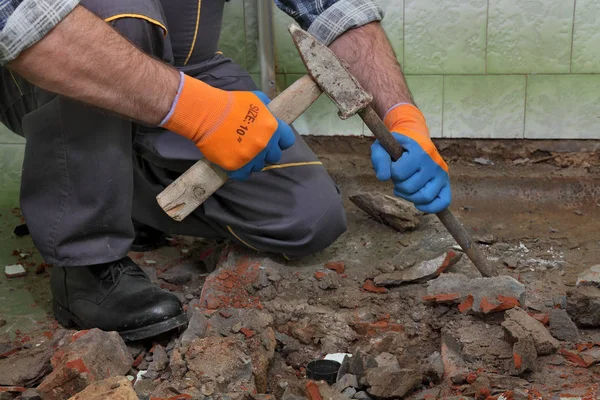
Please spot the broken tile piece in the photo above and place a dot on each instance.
(489, 295)
(562, 327)
(14, 271)
(518, 325)
(420, 272)
(389, 210)
(590, 277)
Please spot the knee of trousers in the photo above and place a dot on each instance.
(317, 234)
(142, 22)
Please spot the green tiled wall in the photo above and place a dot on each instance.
(477, 68)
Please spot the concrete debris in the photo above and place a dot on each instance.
(483, 161)
(197, 325)
(518, 325)
(428, 394)
(583, 305)
(85, 357)
(404, 381)
(178, 275)
(160, 361)
(524, 356)
(327, 279)
(360, 363)
(511, 262)
(562, 327)
(590, 277)
(220, 365)
(115, 388)
(389, 210)
(487, 239)
(14, 271)
(479, 388)
(435, 367)
(348, 380)
(478, 295)
(362, 396)
(420, 272)
(30, 394)
(26, 367)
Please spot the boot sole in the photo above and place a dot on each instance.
(68, 320)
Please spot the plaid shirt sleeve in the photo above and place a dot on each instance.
(24, 22)
(328, 19)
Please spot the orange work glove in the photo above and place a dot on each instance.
(234, 130)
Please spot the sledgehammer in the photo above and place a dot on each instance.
(326, 71)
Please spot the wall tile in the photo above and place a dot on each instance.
(393, 24)
(6, 136)
(322, 118)
(288, 59)
(251, 33)
(444, 37)
(484, 106)
(586, 39)
(233, 37)
(563, 107)
(529, 36)
(427, 90)
(11, 163)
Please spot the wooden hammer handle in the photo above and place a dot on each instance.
(446, 217)
(199, 182)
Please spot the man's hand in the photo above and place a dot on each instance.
(420, 175)
(234, 130)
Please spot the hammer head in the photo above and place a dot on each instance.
(330, 74)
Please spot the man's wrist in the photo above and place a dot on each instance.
(175, 100)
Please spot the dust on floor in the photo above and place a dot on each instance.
(256, 321)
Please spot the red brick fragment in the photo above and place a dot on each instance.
(138, 360)
(12, 389)
(584, 346)
(369, 286)
(447, 261)
(442, 298)
(471, 377)
(225, 314)
(337, 266)
(518, 360)
(574, 358)
(320, 275)
(542, 317)
(247, 332)
(466, 305)
(313, 391)
(504, 303)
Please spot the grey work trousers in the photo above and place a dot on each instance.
(87, 174)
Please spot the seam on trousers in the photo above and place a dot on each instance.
(240, 239)
(64, 198)
(195, 34)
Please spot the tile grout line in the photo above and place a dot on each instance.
(525, 107)
(404, 35)
(487, 24)
(572, 37)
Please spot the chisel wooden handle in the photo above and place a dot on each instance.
(446, 217)
(199, 182)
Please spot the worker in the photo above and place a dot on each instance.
(116, 98)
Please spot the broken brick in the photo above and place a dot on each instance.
(442, 298)
(337, 266)
(320, 275)
(574, 358)
(369, 286)
(313, 391)
(247, 332)
(466, 305)
(542, 317)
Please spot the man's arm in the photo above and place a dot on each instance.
(85, 59)
(371, 60)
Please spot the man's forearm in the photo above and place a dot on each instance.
(85, 59)
(371, 59)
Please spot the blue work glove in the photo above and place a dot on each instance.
(282, 139)
(420, 175)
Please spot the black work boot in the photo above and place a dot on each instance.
(116, 296)
(147, 238)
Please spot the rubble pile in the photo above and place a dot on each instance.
(416, 329)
